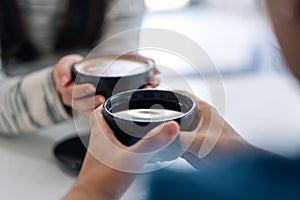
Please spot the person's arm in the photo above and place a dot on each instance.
(285, 18)
(29, 102)
(40, 98)
(110, 167)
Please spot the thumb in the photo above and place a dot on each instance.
(158, 138)
(64, 68)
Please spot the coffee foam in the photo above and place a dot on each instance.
(148, 114)
(108, 67)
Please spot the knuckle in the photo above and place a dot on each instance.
(65, 58)
(63, 61)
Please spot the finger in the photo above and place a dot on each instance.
(191, 141)
(205, 110)
(83, 90)
(102, 137)
(156, 71)
(154, 82)
(87, 104)
(100, 99)
(64, 66)
(74, 92)
(148, 87)
(98, 119)
(203, 107)
(194, 97)
(66, 95)
(157, 139)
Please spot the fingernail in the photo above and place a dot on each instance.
(172, 129)
(101, 100)
(64, 80)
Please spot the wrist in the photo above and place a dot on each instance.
(97, 180)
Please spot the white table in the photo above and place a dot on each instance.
(264, 108)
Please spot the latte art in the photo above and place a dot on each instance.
(107, 67)
(147, 114)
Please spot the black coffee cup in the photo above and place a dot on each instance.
(111, 75)
(132, 114)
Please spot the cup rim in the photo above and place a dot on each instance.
(149, 62)
(189, 112)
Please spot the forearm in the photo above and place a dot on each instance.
(28, 103)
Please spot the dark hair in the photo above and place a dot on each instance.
(81, 29)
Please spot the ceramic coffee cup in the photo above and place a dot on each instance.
(111, 75)
(132, 114)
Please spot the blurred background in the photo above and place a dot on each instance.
(235, 34)
(262, 98)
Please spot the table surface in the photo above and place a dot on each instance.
(264, 108)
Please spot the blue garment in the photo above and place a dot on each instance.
(250, 177)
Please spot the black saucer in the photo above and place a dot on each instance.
(71, 152)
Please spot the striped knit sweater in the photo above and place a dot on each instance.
(28, 100)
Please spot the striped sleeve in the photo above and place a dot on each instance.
(28, 103)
